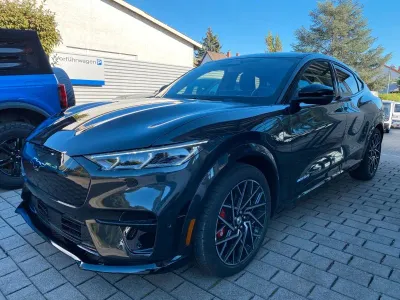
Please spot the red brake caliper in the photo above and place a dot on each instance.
(221, 232)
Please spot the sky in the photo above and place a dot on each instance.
(243, 25)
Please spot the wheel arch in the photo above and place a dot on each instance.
(252, 153)
(18, 111)
(380, 127)
(265, 165)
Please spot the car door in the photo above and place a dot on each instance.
(360, 112)
(317, 131)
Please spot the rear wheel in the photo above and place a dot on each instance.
(12, 139)
(369, 165)
(234, 222)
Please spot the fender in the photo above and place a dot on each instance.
(220, 166)
(23, 105)
(378, 121)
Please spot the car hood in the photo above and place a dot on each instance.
(115, 126)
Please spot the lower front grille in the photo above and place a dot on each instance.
(42, 211)
(71, 227)
(62, 225)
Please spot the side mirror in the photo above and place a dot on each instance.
(316, 94)
(315, 90)
(162, 88)
(312, 94)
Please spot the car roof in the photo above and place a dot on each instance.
(299, 55)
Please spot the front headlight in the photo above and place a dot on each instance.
(167, 156)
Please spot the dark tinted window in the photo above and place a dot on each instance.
(397, 108)
(347, 82)
(316, 73)
(17, 56)
(244, 79)
(21, 53)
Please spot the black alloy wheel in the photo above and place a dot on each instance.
(367, 168)
(230, 230)
(12, 139)
(374, 152)
(240, 222)
(10, 156)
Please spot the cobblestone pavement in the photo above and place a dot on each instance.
(342, 242)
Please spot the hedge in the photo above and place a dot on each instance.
(392, 97)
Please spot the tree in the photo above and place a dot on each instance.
(210, 43)
(339, 29)
(28, 14)
(274, 44)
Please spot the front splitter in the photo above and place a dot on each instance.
(159, 267)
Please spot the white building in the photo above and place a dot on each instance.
(111, 48)
(392, 75)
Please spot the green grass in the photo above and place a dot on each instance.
(392, 97)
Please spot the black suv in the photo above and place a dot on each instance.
(198, 169)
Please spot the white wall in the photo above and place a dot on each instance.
(104, 28)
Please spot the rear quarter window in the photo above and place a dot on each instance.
(22, 55)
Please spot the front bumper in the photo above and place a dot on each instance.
(90, 213)
(89, 260)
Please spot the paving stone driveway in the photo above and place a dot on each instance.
(342, 242)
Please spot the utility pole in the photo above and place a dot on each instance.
(389, 79)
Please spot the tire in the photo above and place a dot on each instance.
(62, 78)
(9, 132)
(207, 255)
(365, 171)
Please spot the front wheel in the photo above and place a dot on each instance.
(12, 139)
(369, 165)
(234, 221)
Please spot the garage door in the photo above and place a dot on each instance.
(123, 77)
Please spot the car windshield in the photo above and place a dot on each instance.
(255, 79)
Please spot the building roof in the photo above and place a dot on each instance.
(393, 69)
(213, 56)
(216, 55)
(158, 23)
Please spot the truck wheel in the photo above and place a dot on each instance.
(63, 78)
(12, 139)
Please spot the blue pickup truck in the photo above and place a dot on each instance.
(30, 91)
